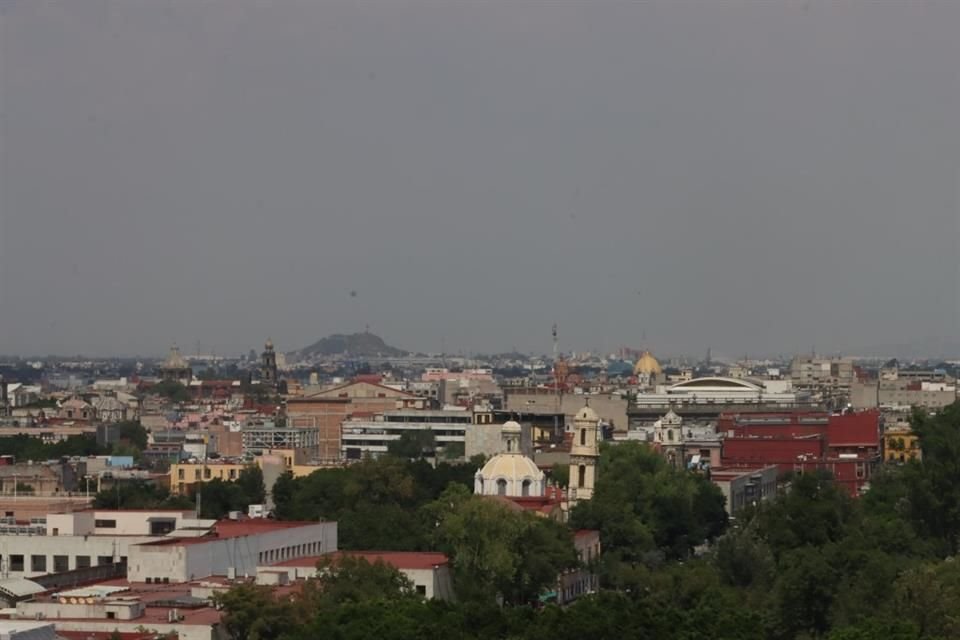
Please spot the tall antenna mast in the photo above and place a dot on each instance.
(558, 402)
(556, 369)
(555, 346)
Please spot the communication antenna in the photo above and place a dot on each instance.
(555, 345)
(558, 401)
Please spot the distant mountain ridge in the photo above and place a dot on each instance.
(353, 344)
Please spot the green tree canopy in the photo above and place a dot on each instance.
(413, 445)
(640, 504)
(349, 578)
(219, 497)
(139, 494)
(497, 550)
(171, 390)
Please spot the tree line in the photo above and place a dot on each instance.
(812, 563)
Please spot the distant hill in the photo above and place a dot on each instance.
(353, 344)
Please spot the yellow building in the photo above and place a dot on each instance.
(186, 475)
(273, 462)
(900, 444)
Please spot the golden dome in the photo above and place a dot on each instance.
(175, 361)
(647, 365)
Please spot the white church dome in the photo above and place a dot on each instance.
(509, 473)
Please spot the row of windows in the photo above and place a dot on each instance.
(207, 474)
(288, 553)
(58, 563)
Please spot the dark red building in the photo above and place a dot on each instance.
(847, 445)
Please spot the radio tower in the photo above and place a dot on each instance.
(558, 401)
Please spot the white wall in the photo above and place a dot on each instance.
(70, 546)
(181, 562)
(434, 582)
(183, 631)
(70, 524)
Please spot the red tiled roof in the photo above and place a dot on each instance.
(225, 529)
(398, 559)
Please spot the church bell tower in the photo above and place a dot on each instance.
(583, 454)
(268, 365)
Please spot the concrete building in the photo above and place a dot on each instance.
(258, 438)
(611, 407)
(172, 578)
(27, 630)
(230, 548)
(67, 541)
(583, 581)
(826, 379)
(902, 394)
(743, 487)
(704, 399)
(372, 436)
(325, 414)
(47, 479)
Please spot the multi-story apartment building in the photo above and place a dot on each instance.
(828, 379)
(372, 436)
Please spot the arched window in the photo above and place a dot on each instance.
(501, 487)
(583, 437)
(525, 489)
(582, 475)
(670, 435)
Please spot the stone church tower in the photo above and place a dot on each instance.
(584, 453)
(268, 365)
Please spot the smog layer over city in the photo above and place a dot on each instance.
(513, 319)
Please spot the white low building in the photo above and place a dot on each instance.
(230, 548)
(67, 541)
(429, 571)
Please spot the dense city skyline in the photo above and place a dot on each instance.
(756, 178)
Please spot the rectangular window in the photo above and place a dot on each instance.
(179, 474)
(421, 590)
(38, 563)
(16, 562)
(105, 524)
(161, 527)
(83, 562)
(61, 564)
(104, 560)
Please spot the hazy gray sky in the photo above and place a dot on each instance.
(755, 177)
